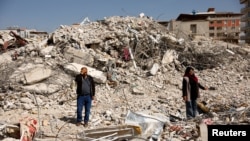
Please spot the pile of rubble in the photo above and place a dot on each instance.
(138, 66)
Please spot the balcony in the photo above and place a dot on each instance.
(245, 37)
(244, 28)
(224, 18)
(245, 18)
(245, 10)
(242, 1)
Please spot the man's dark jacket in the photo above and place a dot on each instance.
(78, 80)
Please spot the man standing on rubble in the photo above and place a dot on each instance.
(85, 94)
(190, 92)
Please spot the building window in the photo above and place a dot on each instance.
(219, 22)
(225, 22)
(233, 28)
(233, 21)
(193, 28)
(211, 34)
(220, 34)
(211, 28)
(211, 22)
(219, 28)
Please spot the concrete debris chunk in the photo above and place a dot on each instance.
(36, 75)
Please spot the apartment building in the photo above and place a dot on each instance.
(215, 25)
(245, 20)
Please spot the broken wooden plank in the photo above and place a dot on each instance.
(119, 132)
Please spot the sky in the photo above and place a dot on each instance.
(48, 15)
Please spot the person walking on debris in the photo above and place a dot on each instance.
(190, 92)
(85, 94)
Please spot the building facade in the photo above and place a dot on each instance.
(245, 20)
(216, 25)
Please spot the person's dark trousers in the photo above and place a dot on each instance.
(86, 102)
(191, 109)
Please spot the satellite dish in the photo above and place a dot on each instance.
(194, 12)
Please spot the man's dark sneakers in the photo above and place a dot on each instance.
(78, 123)
(85, 124)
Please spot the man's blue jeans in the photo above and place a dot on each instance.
(191, 108)
(83, 101)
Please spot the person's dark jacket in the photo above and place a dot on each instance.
(78, 80)
(190, 88)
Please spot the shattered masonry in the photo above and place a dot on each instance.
(144, 63)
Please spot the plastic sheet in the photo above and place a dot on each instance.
(150, 125)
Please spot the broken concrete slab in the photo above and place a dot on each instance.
(169, 57)
(36, 75)
(98, 76)
(79, 56)
(154, 69)
(203, 132)
(42, 88)
(5, 58)
(46, 50)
